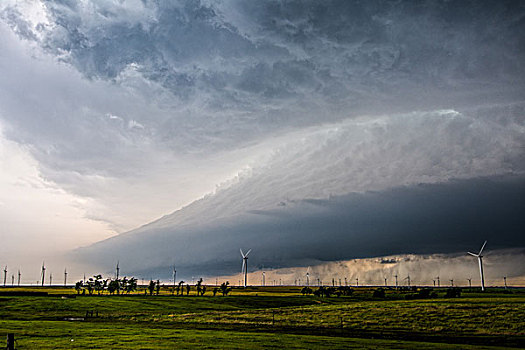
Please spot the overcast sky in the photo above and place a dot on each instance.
(114, 114)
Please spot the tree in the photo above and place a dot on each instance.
(90, 285)
(98, 284)
(130, 285)
(225, 289)
(179, 288)
(199, 287)
(151, 287)
(158, 287)
(79, 286)
(113, 286)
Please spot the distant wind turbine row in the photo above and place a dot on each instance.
(244, 271)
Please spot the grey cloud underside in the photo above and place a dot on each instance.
(441, 218)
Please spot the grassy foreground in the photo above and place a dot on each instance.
(270, 317)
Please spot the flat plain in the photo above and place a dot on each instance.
(263, 317)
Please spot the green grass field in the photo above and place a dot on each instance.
(256, 318)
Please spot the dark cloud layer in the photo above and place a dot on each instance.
(442, 218)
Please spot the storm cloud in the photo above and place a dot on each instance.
(265, 124)
(423, 219)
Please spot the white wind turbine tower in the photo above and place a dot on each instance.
(479, 256)
(308, 276)
(245, 266)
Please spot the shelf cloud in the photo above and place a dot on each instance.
(265, 123)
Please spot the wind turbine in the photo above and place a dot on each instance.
(308, 276)
(480, 260)
(408, 280)
(50, 279)
(19, 274)
(5, 274)
(245, 266)
(439, 283)
(396, 280)
(469, 282)
(43, 273)
(117, 269)
(175, 276)
(65, 277)
(505, 281)
(264, 278)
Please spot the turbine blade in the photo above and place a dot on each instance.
(247, 253)
(482, 247)
(243, 265)
(241, 253)
(476, 255)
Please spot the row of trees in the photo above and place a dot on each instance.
(201, 289)
(97, 284)
(328, 291)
